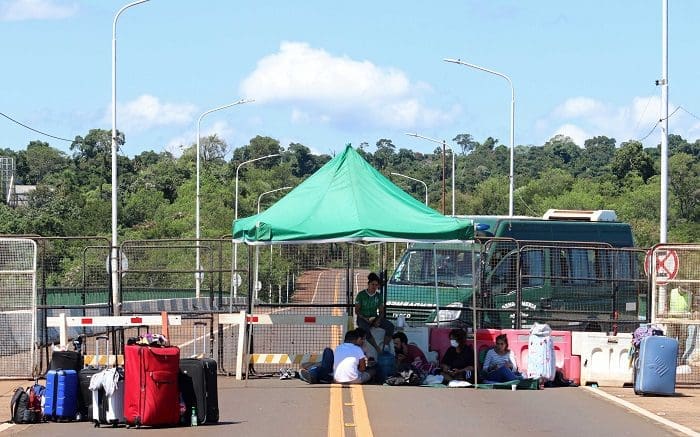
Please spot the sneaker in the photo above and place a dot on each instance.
(286, 373)
(305, 375)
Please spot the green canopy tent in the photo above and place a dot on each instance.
(348, 200)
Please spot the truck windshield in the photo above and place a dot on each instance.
(454, 268)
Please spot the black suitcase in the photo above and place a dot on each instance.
(198, 385)
(66, 360)
(84, 375)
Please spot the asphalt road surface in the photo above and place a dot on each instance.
(271, 407)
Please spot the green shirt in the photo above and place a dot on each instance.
(369, 305)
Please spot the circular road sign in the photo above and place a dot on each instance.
(666, 265)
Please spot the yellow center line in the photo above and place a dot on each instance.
(336, 426)
(359, 412)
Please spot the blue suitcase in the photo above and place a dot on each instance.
(61, 396)
(656, 366)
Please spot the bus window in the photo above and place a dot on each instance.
(532, 266)
(582, 267)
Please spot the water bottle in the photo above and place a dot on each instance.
(193, 418)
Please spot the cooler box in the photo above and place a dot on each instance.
(656, 366)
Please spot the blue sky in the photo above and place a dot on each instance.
(327, 73)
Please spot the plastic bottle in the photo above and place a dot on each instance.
(193, 418)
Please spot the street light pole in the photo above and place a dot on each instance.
(417, 180)
(444, 144)
(198, 273)
(512, 123)
(115, 240)
(235, 208)
(257, 248)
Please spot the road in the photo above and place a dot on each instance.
(271, 407)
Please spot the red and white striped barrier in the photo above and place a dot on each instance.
(63, 323)
(241, 319)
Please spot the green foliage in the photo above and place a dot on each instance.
(157, 190)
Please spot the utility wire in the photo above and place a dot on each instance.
(32, 129)
(689, 113)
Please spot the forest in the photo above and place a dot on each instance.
(157, 190)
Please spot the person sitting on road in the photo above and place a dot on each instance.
(408, 355)
(367, 348)
(458, 362)
(350, 363)
(499, 364)
(369, 306)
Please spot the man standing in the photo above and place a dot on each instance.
(350, 363)
(369, 307)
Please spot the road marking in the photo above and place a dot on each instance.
(335, 329)
(359, 412)
(335, 412)
(680, 428)
(318, 280)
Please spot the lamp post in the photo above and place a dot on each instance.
(235, 208)
(198, 273)
(257, 248)
(512, 123)
(417, 180)
(115, 240)
(444, 144)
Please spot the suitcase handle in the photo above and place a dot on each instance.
(203, 336)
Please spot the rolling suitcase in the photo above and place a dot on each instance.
(84, 377)
(198, 384)
(61, 395)
(108, 397)
(66, 360)
(151, 392)
(656, 366)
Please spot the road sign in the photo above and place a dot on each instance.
(124, 267)
(666, 265)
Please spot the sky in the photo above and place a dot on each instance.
(324, 74)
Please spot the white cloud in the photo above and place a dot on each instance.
(322, 88)
(148, 111)
(21, 10)
(578, 107)
(582, 118)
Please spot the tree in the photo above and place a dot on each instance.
(632, 157)
(93, 154)
(213, 148)
(466, 143)
(684, 181)
(596, 156)
(562, 148)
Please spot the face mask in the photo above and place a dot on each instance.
(454, 343)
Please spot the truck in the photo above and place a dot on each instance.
(573, 269)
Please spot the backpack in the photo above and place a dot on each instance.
(25, 405)
(645, 331)
(404, 377)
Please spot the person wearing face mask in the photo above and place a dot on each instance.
(458, 362)
(369, 307)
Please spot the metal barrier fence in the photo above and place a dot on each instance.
(675, 271)
(17, 306)
(325, 277)
(573, 286)
(511, 284)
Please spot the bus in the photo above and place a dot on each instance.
(575, 270)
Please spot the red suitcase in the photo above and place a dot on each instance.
(151, 392)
